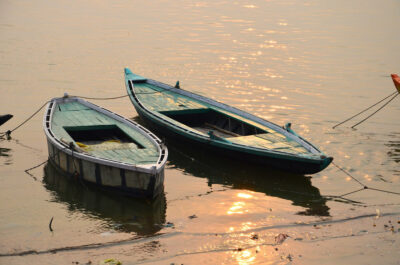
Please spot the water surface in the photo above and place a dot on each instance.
(312, 63)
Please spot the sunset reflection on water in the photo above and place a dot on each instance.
(311, 63)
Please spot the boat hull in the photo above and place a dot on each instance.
(282, 163)
(5, 118)
(128, 182)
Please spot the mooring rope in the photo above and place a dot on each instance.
(366, 109)
(348, 174)
(348, 193)
(8, 133)
(110, 98)
(376, 111)
(365, 187)
(50, 157)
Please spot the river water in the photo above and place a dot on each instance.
(312, 63)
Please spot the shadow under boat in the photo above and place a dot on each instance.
(121, 213)
(219, 170)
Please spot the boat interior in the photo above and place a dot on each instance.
(206, 120)
(98, 134)
(221, 125)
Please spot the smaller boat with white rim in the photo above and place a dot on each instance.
(100, 147)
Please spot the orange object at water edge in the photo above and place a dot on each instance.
(396, 81)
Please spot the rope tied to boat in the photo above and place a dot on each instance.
(364, 187)
(393, 95)
(8, 132)
(384, 105)
(109, 98)
(44, 162)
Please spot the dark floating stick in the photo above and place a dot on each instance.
(51, 221)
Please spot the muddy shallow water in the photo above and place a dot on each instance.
(312, 63)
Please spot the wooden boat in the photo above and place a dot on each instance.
(103, 148)
(396, 81)
(5, 118)
(229, 131)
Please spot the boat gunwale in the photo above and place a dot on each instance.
(155, 167)
(319, 155)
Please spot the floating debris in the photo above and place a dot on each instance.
(112, 262)
(280, 238)
(51, 221)
(169, 224)
(378, 213)
(254, 237)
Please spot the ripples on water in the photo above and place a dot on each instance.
(311, 63)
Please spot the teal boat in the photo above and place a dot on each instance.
(205, 123)
(103, 148)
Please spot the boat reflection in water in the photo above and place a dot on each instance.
(5, 156)
(394, 146)
(121, 213)
(217, 170)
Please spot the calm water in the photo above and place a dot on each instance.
(312, 63)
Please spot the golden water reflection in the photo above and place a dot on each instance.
(244, 257)
(244, 195)
(237, 208)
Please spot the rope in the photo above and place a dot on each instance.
(376, 111)
(348, 174)
(29, 169)
(8, 133)
(365, 110)
(102, 98)
(359, 182)
(392, 192)
(351, 192)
